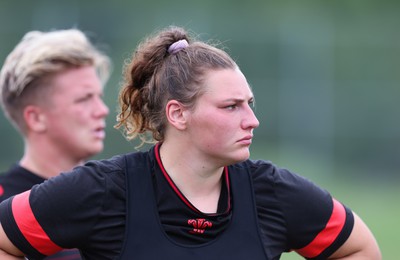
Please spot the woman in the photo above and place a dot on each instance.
(195, 194)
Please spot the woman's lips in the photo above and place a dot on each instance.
(246, 140)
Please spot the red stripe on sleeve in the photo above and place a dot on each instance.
(328, 235)
(30, 227)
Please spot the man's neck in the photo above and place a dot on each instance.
(46, 162)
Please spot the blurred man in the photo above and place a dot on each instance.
(51, 91)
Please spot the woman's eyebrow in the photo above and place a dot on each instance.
(238, 100)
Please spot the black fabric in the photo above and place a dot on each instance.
(344, 234)
(16, 180)
(10, 227)
(146, 238)
(175, 213)
(86, 208)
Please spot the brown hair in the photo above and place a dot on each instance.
(154, 76)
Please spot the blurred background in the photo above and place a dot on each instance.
(326, 76)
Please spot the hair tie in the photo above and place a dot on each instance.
(177, 46)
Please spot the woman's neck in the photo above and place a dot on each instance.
(198, 181)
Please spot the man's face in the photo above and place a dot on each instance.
(76, 115)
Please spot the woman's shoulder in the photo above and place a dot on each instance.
(268, 177)
(262, 170)
(115, 164)
(258, 169)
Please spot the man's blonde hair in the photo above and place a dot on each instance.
(36, 58)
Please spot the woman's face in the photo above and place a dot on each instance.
(222, 122)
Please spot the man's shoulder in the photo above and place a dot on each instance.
(16, 180)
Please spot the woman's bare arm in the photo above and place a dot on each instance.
(361, 244)
(7, 250)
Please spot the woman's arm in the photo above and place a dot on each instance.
(7, 250)
(361, 244)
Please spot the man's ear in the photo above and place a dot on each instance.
(35, 119)
(176, 114)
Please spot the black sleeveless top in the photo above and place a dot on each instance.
(146, 239)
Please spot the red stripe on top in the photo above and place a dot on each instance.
(30, 227)
(326, 237)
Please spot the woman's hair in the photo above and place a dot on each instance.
(39, 56)
(156, 74)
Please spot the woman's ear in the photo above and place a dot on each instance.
(34, 119)
(176, 114)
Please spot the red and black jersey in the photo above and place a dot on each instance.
(17, 180)
(86, 209)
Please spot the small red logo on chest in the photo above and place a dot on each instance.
(199, 225)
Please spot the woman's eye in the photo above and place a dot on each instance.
(252, 104)
(231, 107)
